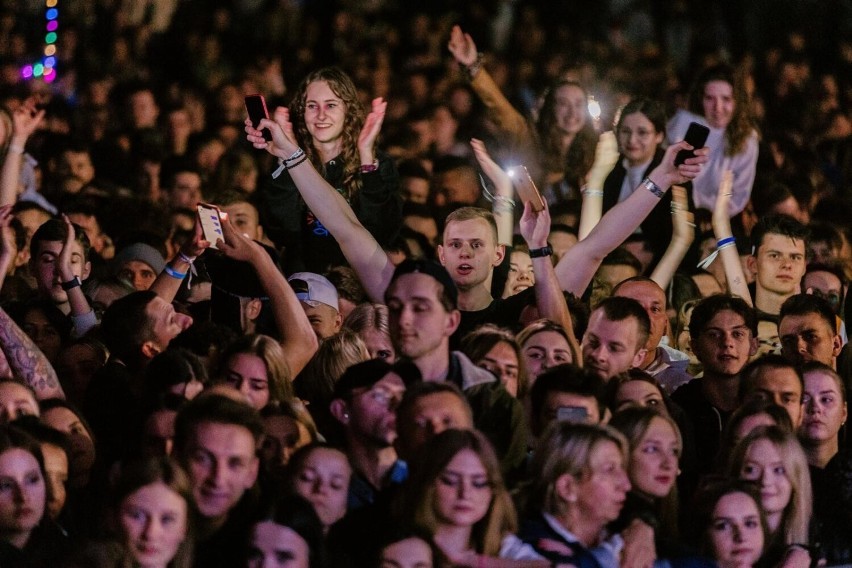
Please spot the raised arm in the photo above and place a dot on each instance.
(27, 361)
(576, 269)
(606, 155)
(298, 339)
(363, 252)
(168, 282)
(683, 233)
(535, 227)
(503, 205)
(71, 266)
(500, 110)
(726, 247)
(25, 120)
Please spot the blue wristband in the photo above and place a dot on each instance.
(174, 273)
(725, 241)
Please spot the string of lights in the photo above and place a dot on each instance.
(46, 67)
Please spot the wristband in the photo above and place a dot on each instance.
(15, 149)
(474, 67)
(186, 259)
(71, 284)
(592, 193)
(174, 273)
(366, 169)
(727, 241)
(653, 187)
(540, 252)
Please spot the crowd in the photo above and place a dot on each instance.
(393, 353)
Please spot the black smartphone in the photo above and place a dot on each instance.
(696, 136)
(256, 107)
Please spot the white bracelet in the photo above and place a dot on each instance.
(15, 149)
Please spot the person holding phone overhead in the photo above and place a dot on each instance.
(640, 130)
(339, 138)
(719, 100)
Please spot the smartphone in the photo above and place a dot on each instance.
(572, 414)
(525, 187)
(696, 136)
(256, 107)
(211, 223)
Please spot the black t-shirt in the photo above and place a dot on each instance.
(502, 312)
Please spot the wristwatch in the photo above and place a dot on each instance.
(540, 252)
(71, 284)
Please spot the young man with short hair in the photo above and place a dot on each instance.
(722, 332)
(808, 331)
(775, 379)
(426, 410)
(59, 262)
(566, 392)
(779, 245)
(216, 440)
(615, 338)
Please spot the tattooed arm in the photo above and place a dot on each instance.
(27, 361)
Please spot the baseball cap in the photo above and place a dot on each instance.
(367, 373)
(314, 289)
(430, 268)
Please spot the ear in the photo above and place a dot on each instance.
(751, 264)
(87, 269)
(658, 139)
(499, 255)
(340, 410)
(441, 255)
(150, 349)
(453, 321)
(639, 357)
(338, 321)
(838, 345)
(253, 308)
(753, 346)
(566, 488)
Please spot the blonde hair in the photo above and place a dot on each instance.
(566, 448)
(797, 514)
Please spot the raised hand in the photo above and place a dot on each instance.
(491, 168)
(370, 130)
(236, 245)
(462, 47)
(283, 138)
(25, 120)
(65, 260)
(535, 226)
(668, 174)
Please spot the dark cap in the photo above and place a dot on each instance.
(368, 373)
(433, 269)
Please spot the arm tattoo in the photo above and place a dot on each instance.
(26, 360)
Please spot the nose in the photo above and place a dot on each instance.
(319, 487)
(801, 345)
(217, 475)
(149, 528)
(738, 533)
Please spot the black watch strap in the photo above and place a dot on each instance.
(71, 284)
(540, 252)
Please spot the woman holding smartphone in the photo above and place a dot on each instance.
(719, 101)
(338, 138)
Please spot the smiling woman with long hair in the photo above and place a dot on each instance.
(338, 138)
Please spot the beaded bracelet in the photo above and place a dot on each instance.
(474, 67)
